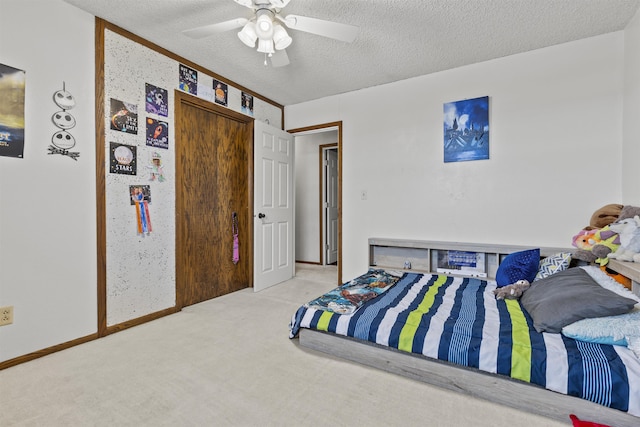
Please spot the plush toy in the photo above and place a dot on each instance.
(629, 232)
(577, 422)
(606, 241)
(584, 239)
(512, 291)
(593, 243)
(605, 215)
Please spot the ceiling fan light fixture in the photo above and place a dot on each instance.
(265, 46)
(264, 25)
(248, 34)
(281, 40)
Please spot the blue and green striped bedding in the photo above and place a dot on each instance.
(460, 321)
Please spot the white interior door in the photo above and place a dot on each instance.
(274, 253)
(331, 213)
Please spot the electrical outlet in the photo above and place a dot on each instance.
(6, 315)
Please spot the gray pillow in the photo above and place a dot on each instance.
(568, 296)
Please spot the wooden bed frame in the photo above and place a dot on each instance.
(494, 388)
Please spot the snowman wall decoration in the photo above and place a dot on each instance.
(62, 140)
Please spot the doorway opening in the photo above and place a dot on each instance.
(318, 211)
(328, 155)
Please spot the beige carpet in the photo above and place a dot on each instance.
(229, 362)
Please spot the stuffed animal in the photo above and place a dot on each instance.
(595, 244)
(605, 241)
(512, 291)
(629, 232)
(585, 239)
(605, 215)
(594, 247)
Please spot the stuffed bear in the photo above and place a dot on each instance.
(512, 291)
(629, 231)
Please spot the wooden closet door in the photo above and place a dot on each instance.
(214, 163)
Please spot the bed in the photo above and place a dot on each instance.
(451, 331)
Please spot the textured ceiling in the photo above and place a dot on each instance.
(398, 39)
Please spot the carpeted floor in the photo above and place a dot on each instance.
(229, 362)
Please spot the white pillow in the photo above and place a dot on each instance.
(623, 329)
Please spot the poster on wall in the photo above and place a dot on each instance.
(124, 116)
(221, 92)
(247, 103)
(122, 159)
(12, 86)
(466, 130)
(156, 100)
(188, 80)
(157, 133)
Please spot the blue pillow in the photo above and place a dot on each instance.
(518, 266)
(612, 330)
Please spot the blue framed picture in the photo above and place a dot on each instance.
(466, 130)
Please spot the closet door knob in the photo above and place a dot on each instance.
(261, 215)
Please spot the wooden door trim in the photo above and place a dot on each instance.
(183, 99)
(321, 149)
(337, 125)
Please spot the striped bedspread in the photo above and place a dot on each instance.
(460, 321)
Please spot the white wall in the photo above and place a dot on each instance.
(631, 145)
(307, 193)
(48, 202)
(555, 153)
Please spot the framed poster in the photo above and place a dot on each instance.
(466, 130)
(12, 86)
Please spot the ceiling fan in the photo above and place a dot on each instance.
(271, 37)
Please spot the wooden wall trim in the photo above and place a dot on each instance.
(118, 30)
(140, 320)
(46, 351)
(100, 27)
(101, 205)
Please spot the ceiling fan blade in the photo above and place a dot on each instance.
(220, 27)
(280, 4)
(343, 32)
(246, 3)
(279, 58)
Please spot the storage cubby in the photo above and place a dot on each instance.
(422, 255)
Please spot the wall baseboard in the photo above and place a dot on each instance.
(63, 346)
(46, 351)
